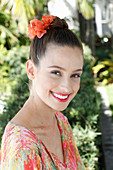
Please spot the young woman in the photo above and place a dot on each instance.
(39, 137)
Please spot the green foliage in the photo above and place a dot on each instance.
(23, 10)
(104, 70)
(12, 65)
(19, 94)
(85, 140)
(7, 33)
(102, 65)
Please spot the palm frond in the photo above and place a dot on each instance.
(22, 11)
(4, 29)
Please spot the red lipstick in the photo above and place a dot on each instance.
(59, 96)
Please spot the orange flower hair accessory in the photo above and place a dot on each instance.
(39, 28)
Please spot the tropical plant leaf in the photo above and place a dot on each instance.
(86, 8)
(105, 81)
(97, 68)
(22, 10)
(110, 70)
(104, 73)
(4, 29)
(110, 80)
(108, 63)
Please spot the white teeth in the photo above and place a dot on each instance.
(59, 96)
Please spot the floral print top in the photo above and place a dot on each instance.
(22, 150)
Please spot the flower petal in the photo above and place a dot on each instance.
(38, 28)
(40, 33)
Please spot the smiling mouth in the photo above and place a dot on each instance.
(60, 97)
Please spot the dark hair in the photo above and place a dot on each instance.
(59, 34)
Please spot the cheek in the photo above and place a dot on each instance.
(76, 85)
(47, 83)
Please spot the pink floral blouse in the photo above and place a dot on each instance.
(22, 150)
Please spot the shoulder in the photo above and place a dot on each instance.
(16, 137)
(19, 134)
(18, 145)
(24, 159)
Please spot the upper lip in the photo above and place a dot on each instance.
(62, 94)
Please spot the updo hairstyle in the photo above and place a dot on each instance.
(58, 33)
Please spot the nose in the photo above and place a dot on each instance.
(66, 85)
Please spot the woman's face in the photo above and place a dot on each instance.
(57, 79)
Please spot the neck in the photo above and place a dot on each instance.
(39, 114)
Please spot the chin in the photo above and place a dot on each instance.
(61, 109)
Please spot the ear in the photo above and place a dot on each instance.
(30, 69)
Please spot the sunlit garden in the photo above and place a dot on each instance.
(84, 111)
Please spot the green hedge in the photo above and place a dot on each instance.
(83, 112)
(12, 66)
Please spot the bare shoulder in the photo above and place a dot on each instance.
(19, 118)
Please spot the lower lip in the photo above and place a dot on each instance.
(60, 100)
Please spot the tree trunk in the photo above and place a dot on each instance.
(111, 42)
(87, 32)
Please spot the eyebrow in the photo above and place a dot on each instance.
(54, 66)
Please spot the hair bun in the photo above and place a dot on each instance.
(59, 23)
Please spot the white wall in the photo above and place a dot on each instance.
(101, 17)
(66, 9)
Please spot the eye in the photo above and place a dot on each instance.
(56, 72)
(76, 75)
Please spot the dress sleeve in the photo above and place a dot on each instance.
(23, 159)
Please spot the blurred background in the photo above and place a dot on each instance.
(92, 22)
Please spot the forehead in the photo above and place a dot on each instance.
(62, 56)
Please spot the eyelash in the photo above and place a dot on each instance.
(76, 75)
(55, 72)
(59, 73)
